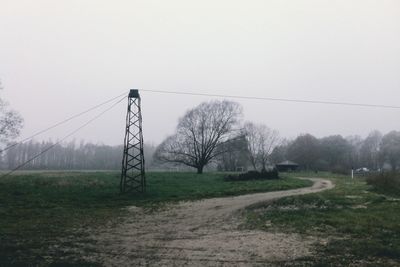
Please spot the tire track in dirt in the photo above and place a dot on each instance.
(200, 233)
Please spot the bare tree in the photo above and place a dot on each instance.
(335, 150)
(280, 152)
(391, 148)
(261, 142)
(235, 155)
(200, 134)
(251, 133)
(304, 150)
(370, 151)
(355, 142)
(10, 122)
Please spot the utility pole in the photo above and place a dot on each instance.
(133, 177)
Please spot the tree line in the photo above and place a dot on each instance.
(212, 136)
(340, 154)
(67, 156)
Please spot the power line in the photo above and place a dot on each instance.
(61, 122)
(275, 99)
(62, 140)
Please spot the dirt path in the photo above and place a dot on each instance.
(200, 233)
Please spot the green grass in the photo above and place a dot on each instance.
(42, 213)
(362, 227)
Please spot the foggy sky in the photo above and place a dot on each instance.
(58, 58)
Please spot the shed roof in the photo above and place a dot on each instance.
(287, 163)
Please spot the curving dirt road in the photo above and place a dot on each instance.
(201, 233)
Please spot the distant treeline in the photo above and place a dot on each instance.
(339, 154)
(68, 156)
(331, 153)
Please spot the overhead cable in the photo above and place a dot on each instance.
(61, 122)
(275, 99)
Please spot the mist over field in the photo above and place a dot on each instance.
(59, 58)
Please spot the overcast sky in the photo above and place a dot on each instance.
(60, 57)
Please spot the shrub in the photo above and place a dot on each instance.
(387, 182)
(340, 170)
(254, 175)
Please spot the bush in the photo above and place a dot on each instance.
(340, 170)
(387, 182)
(254, 175)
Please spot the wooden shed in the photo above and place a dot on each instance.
(287, 166)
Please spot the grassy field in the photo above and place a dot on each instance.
(361, 226)
(42, 213)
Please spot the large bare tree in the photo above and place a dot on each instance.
(201, 134)
(261, 141)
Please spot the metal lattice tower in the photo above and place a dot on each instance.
(133, 177)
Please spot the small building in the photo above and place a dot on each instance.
(287, 166)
